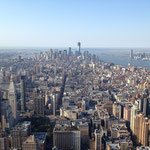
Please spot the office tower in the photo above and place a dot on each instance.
(66, 137)
(39, 106)
(131, 54)
(64, 53)
(79, 45)
(84, 133)
(69, 52)
(50, 52)
(86, 54)
(98, 140)
(13, 100)
(134, 111)
(53, 105)
(145, 106)
(22, 94)
(19, 134)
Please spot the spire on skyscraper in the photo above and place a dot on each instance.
(79, 44)
(13, 99)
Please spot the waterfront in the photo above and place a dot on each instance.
(117, 56)
(120, 57)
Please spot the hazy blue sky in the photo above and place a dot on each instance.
(62, 23)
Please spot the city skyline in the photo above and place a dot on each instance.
(111, 24)
(74, 75)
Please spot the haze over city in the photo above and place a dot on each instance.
(60, 23)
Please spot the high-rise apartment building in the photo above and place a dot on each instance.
(141, 128)
(134, 111)
(127, 113)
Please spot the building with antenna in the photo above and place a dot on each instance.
(79, 45)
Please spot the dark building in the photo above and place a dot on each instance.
(79, 45)
(145, 106)
(39, 106)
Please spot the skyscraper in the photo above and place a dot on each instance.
(131, 54)
(79, 45)
(98, 140)
(22, 93)
(39, 106)
(145, 106)
(53, 105)
(69, 52)
(13, 100)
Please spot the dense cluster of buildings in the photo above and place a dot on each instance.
(90, 104)
(145, 55)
